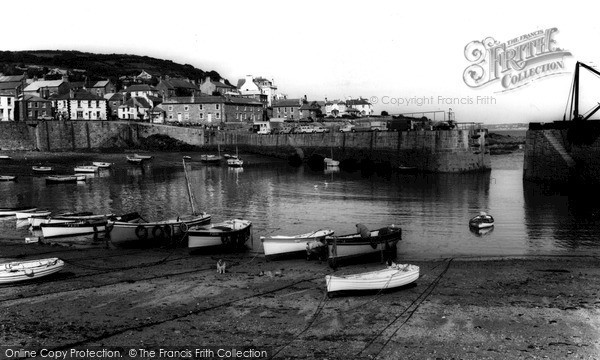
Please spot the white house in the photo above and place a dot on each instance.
(7, 106)
(80, 105)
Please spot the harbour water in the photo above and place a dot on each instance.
(432, 209)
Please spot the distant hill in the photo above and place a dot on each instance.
(94, 66)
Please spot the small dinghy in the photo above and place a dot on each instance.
(7, 177)
(393, 276)
(134, 160)
(11, 211)
(102, 164)
(57, 229)
(31, 214)
(28, 270)
(363, 244)
(42, 168)
(85, 169)
(309, 243)
(145, 157)
(481, 221)
(230, 235)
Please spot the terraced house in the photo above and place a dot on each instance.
(80, 105)
(212, 110)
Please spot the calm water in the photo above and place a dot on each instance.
(433, 209)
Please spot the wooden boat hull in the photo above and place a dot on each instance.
(297, 244)
(14, 210)
(28, 270)
(29, 214)
(380, 241)
(36, 222)
(101, 164)
(210, 159)
(86, 169)
(390, 278)
(481, 222)
(229, 235)
(42, 168)
(54, 229)
(145, 233)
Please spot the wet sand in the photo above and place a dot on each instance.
(537, 307)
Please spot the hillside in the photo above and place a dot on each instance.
(94, 66)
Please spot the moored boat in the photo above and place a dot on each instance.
(7, 178)
(60, 179)
(29, 214)
(42, 168)
(329, 162)
(11, 211)
(229, 235)
(139, 232)
(30, 269)
(134, 160)
(211, 159)
(280, 245)
(364, 243)
(66, 217)
(86, 169)
(81, 227)
(5, 157)
(145, 157)
(235, 162)
(101, 164)
(481, 221)
(393, 276)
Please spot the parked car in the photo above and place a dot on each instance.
(348, 128)
(305, 129)
(321, 129)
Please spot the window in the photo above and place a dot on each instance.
(30, 114)
(89, 103)
(78, 103)
(171, 109)
(35, 104)
(186, 116)
(218, 115)
(201, 116)
(217, 106)
(170, 116)
(97, 103)
(114, 103)
(79, 114)
(201, 108)
(44, 113)
(97, 114)
(9, 101)
(186, 108)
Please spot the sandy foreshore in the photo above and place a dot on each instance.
(538, 307)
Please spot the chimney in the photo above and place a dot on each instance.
(71, 94)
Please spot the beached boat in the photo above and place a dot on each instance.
(229, 235)
(364, 243)
(5, 157)
(11, 211)
(145, 157)
(134, 160)
(86, 169)
(481, 221)
(139, 232)
(60, 179)
(56, 229)
(29, 269)
(7, 178)
(66, 217)
(42, 168)
(101, 164)
(391, 277)
(307, 244)
(29, 214)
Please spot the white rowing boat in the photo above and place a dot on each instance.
(280, 245)
(102, 164)
(29, 214)
(36, 222)
(54, 229)
(11, 211)
(392, 277)
(42, 168)
(28, 270)
(86, 169)
(229, 234)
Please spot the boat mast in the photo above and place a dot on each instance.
(190, 194)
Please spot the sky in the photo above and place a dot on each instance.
(404, 57)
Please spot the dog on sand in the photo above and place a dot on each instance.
(221, 266)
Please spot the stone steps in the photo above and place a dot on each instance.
(558, 146)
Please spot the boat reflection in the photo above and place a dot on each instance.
(482, 231)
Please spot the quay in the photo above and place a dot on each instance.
(459, 150)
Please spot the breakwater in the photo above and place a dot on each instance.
(563, 152)
(436, 151)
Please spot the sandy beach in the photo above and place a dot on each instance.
(166, 298)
